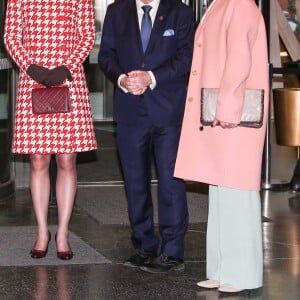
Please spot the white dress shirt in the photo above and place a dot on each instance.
(140, 13)
(154, 4)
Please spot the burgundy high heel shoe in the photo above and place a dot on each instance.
(64, 255)
(35, 253)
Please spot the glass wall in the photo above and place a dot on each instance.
(101, 94)
(291, 9)
(6, 184)
(101, 167)
(4, 125)
(2, 17)
(101, 90)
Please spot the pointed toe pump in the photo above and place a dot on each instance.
(37, 253)
(64, 255)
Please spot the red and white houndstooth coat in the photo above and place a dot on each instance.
(51, 33)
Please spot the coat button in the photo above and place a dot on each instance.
(199, 45)
(194, 73)
(190, 99)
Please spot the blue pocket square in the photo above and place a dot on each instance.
(169, 32)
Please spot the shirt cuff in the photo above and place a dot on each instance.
(152, 86)
(119, 83)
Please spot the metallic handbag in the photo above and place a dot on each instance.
(50, 100)
(253, 110)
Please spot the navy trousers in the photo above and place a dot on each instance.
(136, 143)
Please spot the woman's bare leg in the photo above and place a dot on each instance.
(40, 192)
(66, 183)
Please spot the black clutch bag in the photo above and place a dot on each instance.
(50, 100)
(253, 109)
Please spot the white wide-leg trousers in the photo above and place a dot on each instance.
(234, 238)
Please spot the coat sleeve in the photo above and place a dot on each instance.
(243, 22)
(107, 57)
(85, 37)
(13, 35)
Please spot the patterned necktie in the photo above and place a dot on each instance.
(146, 26)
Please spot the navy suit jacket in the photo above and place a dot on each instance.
(168, 56)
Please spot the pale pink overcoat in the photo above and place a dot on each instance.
(230, 53)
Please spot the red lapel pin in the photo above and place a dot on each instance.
(161, 18)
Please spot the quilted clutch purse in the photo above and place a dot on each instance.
(253, 110)
(49, 100)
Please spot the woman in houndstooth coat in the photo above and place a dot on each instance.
(49, 40)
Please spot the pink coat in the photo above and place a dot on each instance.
(230, 53)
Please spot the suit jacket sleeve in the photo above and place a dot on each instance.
(107, 57)
(180, 64)
(241, 32)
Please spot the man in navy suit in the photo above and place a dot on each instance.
(146, 51)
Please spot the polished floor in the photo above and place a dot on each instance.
(109, 279)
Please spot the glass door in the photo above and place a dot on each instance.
(6, 93)
(101, 90)
(100, 167)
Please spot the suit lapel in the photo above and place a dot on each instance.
(159, 23)
(131, 27)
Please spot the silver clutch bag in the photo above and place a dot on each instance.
(253, 110)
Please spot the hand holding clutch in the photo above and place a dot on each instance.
(57, 76)
(253, 108)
